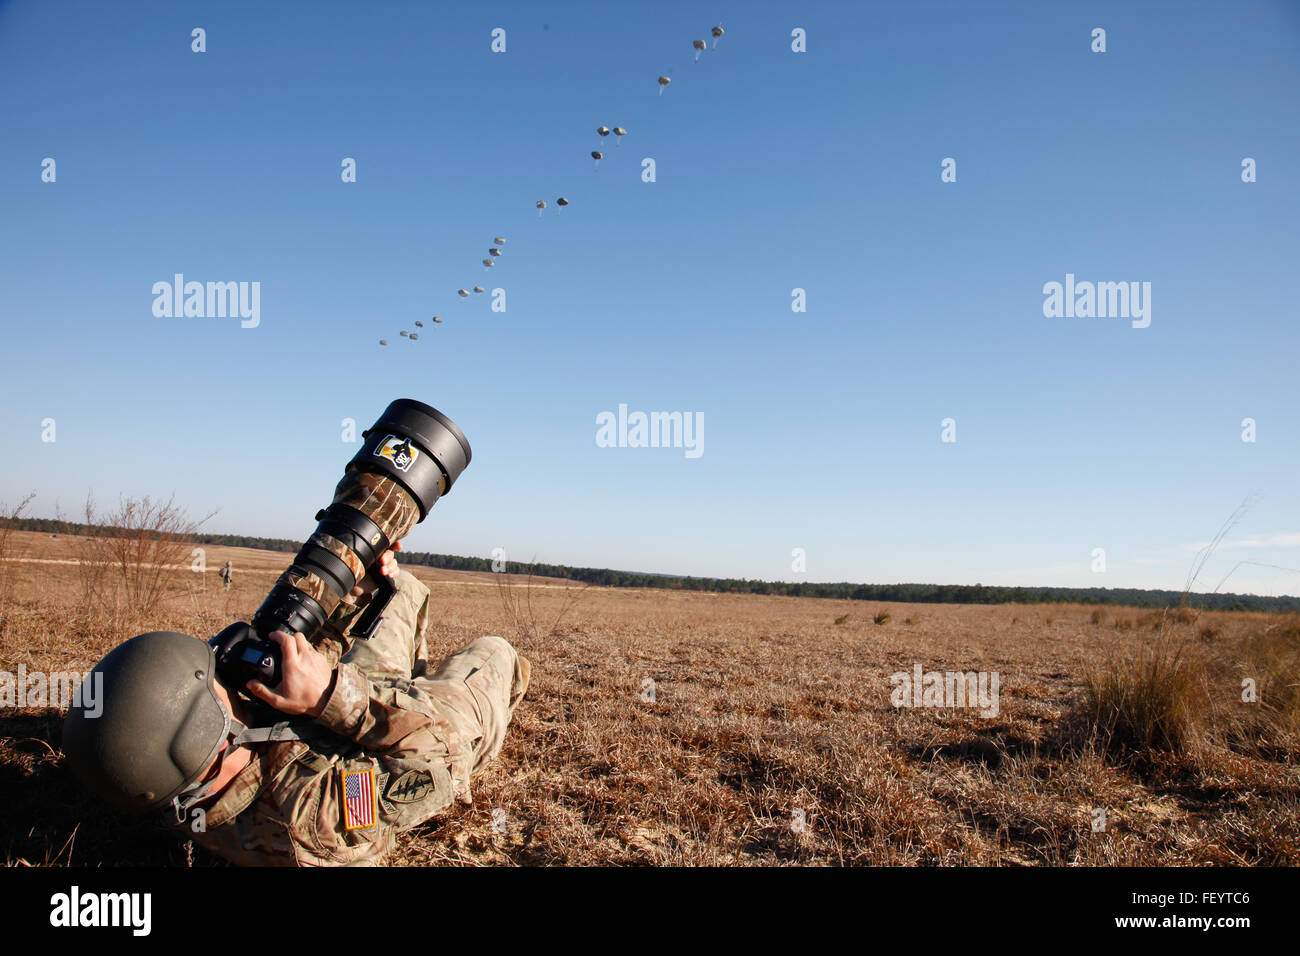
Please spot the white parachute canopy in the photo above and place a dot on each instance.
(619, 132)
(383, 341)
(463, 293)
(663, 81)
(437, 318)
(700, 47)
(500, 240)
(419, 324)
(479, 288)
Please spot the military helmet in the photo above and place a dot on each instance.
(161, 723)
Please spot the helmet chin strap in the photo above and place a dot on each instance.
(238, 734)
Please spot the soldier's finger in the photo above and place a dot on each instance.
(288, 648)
(263, 693)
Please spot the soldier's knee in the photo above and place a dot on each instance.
(513, 668)
(407, 583)
(490, 642)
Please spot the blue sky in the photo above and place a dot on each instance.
(775, 170)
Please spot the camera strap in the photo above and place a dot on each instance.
(196, 792)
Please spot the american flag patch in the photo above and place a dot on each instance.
(358, 799)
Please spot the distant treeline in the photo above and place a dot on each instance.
(907, 593)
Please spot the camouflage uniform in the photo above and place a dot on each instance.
(419, 736)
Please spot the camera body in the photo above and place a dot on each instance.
(408, 460)
(243, 656)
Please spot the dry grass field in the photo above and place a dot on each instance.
(770, 737)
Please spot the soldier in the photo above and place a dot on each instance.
(373, 743)
(226, 574)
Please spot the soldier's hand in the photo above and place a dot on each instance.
(387, 567)
(388, 561)
(306, 678)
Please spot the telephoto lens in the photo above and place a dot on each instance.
(408, 460)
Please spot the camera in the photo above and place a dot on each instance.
(408, 460)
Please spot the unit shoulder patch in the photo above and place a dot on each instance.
(410, 787)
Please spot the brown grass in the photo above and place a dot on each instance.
(766, 712)
(8, 517)
(1143, 698)
(130, 565)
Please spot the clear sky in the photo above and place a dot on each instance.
(775, 170)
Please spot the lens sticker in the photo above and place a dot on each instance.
(399, 452)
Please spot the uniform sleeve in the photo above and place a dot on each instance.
(383, 719)
(423, 762)
(334, 638)
(424, 759)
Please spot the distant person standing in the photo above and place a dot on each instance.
(226, 574)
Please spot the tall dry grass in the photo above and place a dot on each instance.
(1270, 723)
(8, 518)
(523, 607)
(1173, 693)
(1144, 698)
(130, 566)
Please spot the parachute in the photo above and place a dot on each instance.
(403, 333)
(494, 252)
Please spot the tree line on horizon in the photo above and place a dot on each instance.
(902, 593)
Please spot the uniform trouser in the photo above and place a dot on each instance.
(477, 688)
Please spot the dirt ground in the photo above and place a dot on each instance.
(667, 727)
